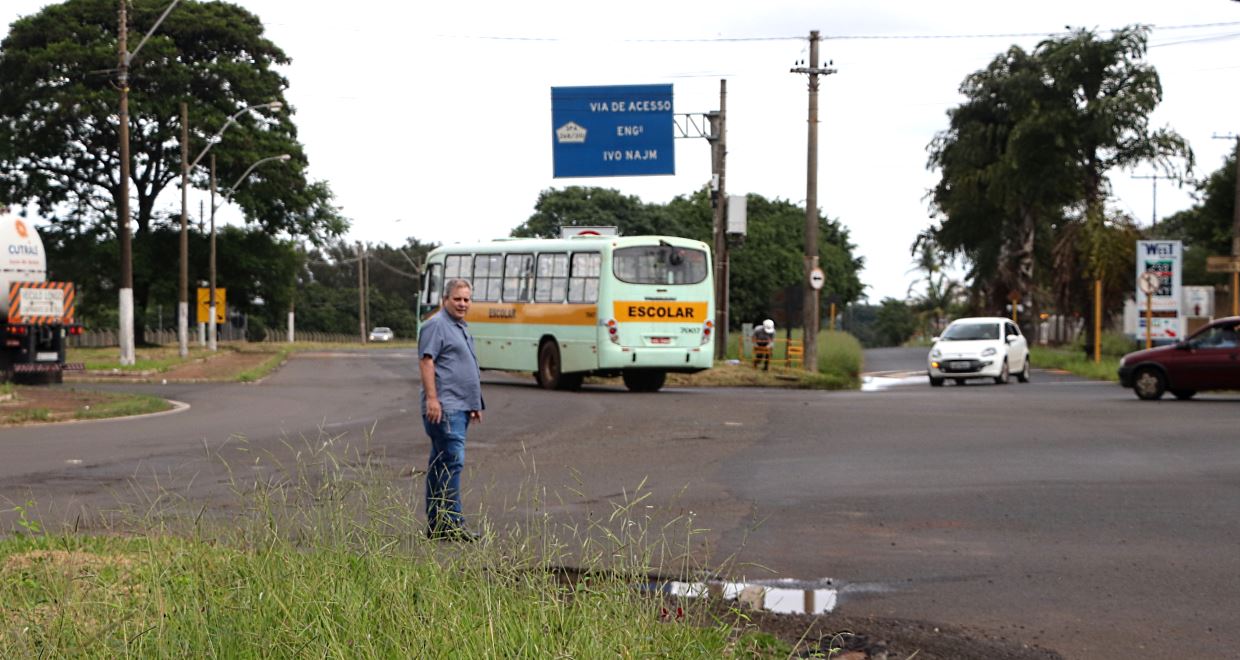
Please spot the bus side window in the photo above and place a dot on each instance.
(434, 282)
(583, 279)
(518, 272)
(488, 277)
(552, 276)
(456, 266)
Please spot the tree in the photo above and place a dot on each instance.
(1027, 157)
(895, 322)
(58, 118)
(1206, 227)
(941, 292)
(767, 261)
(577, 206)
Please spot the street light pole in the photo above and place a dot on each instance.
(186, 166)
(211, 334)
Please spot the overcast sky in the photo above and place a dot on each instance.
(433, 120)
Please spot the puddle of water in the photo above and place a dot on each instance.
(878, 383)
(780, 596)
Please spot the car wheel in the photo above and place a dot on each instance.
(1004, 377)
(1023, 376)
(1149, 384)
(1184, 395)
(936, 382)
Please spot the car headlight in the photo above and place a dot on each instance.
(988, 352)
(935, 352)
(1121, 360)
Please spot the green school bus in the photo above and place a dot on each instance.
(634, 306)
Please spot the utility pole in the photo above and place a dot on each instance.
(1154, 177)
(809, 305)
(361, 293)
(212, 344)
(126, 289)
(183, 304)
(1235, 229)
(719, 157)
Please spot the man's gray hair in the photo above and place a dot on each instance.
(455, 283)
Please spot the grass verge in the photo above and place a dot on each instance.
(1073, 359)
(323, 557)
(123, 405)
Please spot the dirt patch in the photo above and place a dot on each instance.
(865, 638)
(225, 365)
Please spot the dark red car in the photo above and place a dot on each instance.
(1208, 360)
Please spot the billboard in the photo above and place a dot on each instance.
(618, 130)
(1164, 259)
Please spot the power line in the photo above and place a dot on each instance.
(854, 37)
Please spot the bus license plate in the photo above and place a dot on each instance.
(660, 340)
(46, 357)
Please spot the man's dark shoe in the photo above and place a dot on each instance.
(458, 534)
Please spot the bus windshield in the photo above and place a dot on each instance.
(659, 264)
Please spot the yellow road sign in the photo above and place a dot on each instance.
(1222, 264)
(204, 307)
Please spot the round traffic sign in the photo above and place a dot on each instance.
(1149, 283)
(817, 278)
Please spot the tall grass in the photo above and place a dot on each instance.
(321, 555)
(1073, 358)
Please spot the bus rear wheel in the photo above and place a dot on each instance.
(549, 374)
(644, 381)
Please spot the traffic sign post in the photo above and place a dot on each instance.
(817, 279)
(1149, 283)
(204, 305)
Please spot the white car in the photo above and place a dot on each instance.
(983, 347)
(382, 334)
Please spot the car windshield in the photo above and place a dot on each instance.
(971, 331)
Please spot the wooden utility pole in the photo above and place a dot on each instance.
(183, 280)
(126, 288)
(719, 204)
(361, 293)
(809, 306)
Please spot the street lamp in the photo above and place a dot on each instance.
(122, 79)
(186, 166)
(211, 341)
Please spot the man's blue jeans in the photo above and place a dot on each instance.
(443, 471)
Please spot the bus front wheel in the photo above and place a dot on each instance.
(549, 374)
(644, 381)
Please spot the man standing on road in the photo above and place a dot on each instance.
(451, 399)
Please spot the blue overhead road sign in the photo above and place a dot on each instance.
(620, 130)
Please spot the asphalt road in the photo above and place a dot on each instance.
(1061, 512)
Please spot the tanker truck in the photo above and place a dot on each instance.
(37, 316)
